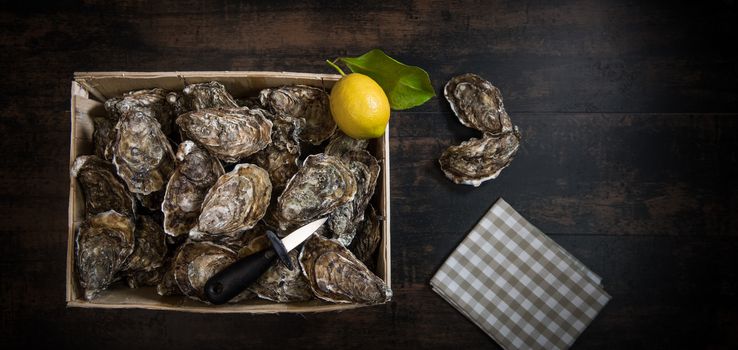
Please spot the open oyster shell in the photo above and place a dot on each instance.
(283, 285)
(228, 133)
(322, 184)
(478, 160)
(279, 158)
(103, 243)
(478, 104)
(142, 154)
(235, 203)
(154, 103)
(207, 95)
(195, 174)
(336, 275)
(367, 238)
(340, 144)
(196, 262)
(306, 102)
(103, 190)
(344, 219)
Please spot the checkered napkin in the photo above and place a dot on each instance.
(524, 290)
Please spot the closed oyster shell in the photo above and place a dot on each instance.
(235, 203)
(283, 285)
(103, 243)
(228, 133)
(306, 102)
(367, 238)
(478, 104)
(168, 285)
(279, 158)
(478, 160)
(146, 278)
(196, 262)
(341, 144)
(103, 137)
(207, 95)
(142, 154)
(103, 190)
(344, 219)
(336, 275)
(154, 103)
(150, 248)
(322, 184)
(195, 174)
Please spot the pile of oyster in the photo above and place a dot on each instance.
(183, 184)
(478, 105)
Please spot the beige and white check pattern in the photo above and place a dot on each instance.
(524, 290)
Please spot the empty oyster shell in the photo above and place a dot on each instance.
(196, 262)
(341, 143)
(306, 102)
(478, 104)
(103, 243)
(322, 184)
(283, 285)
(343, 220)
(207, 95)
(196, 172)
(142, 154)
(150, 248)
(103, 190)
(367, 238)
(237, 201)
(154, 103)
(229, 133)
(336, 275)
(478, 160)
(279, 158)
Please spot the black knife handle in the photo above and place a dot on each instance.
(232, 280)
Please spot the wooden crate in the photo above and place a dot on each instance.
(90, 90)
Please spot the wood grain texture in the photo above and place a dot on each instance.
(628, 114)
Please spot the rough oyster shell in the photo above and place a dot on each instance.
(478, 104)
(322, 184)
(279, 158)
(336, 275)
(306, 102)
(196, 172)
(154, 103)
(103, 137)
(237, 201)
(103, 243)
(103, 190)
(367, 238)
(343, 220)
(340, 144)
(196, 262)
(150, 248)
(168, 285)
(142, 154)
(207, 95)
(228, 133)
(146, 278)
(283, 285)
(478, 160)
(151, 201)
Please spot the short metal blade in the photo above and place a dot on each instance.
(301, 234)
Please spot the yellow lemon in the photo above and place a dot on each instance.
(359, 106)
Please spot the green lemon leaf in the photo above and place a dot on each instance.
(405, 86)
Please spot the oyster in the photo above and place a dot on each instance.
(228, 133)
(283, 285)
(305, 102)
(322, 184)
(150, 248)
(343, 220)
(207, 95)
(103, 190)
(196, 262)
(279, 158)
(146, 278)
(151, 201)
(142, 154)
(103, 243)
(336, 275)
(237, 201)
(167, 284)
(341, 143)
(478, 160)
(153, 103)
(253, 245)
(478, 104)
(367, 238)
(196, 172)
(103, 137)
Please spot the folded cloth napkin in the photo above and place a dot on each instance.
(519, 286)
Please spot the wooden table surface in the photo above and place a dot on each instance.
(630, 139)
